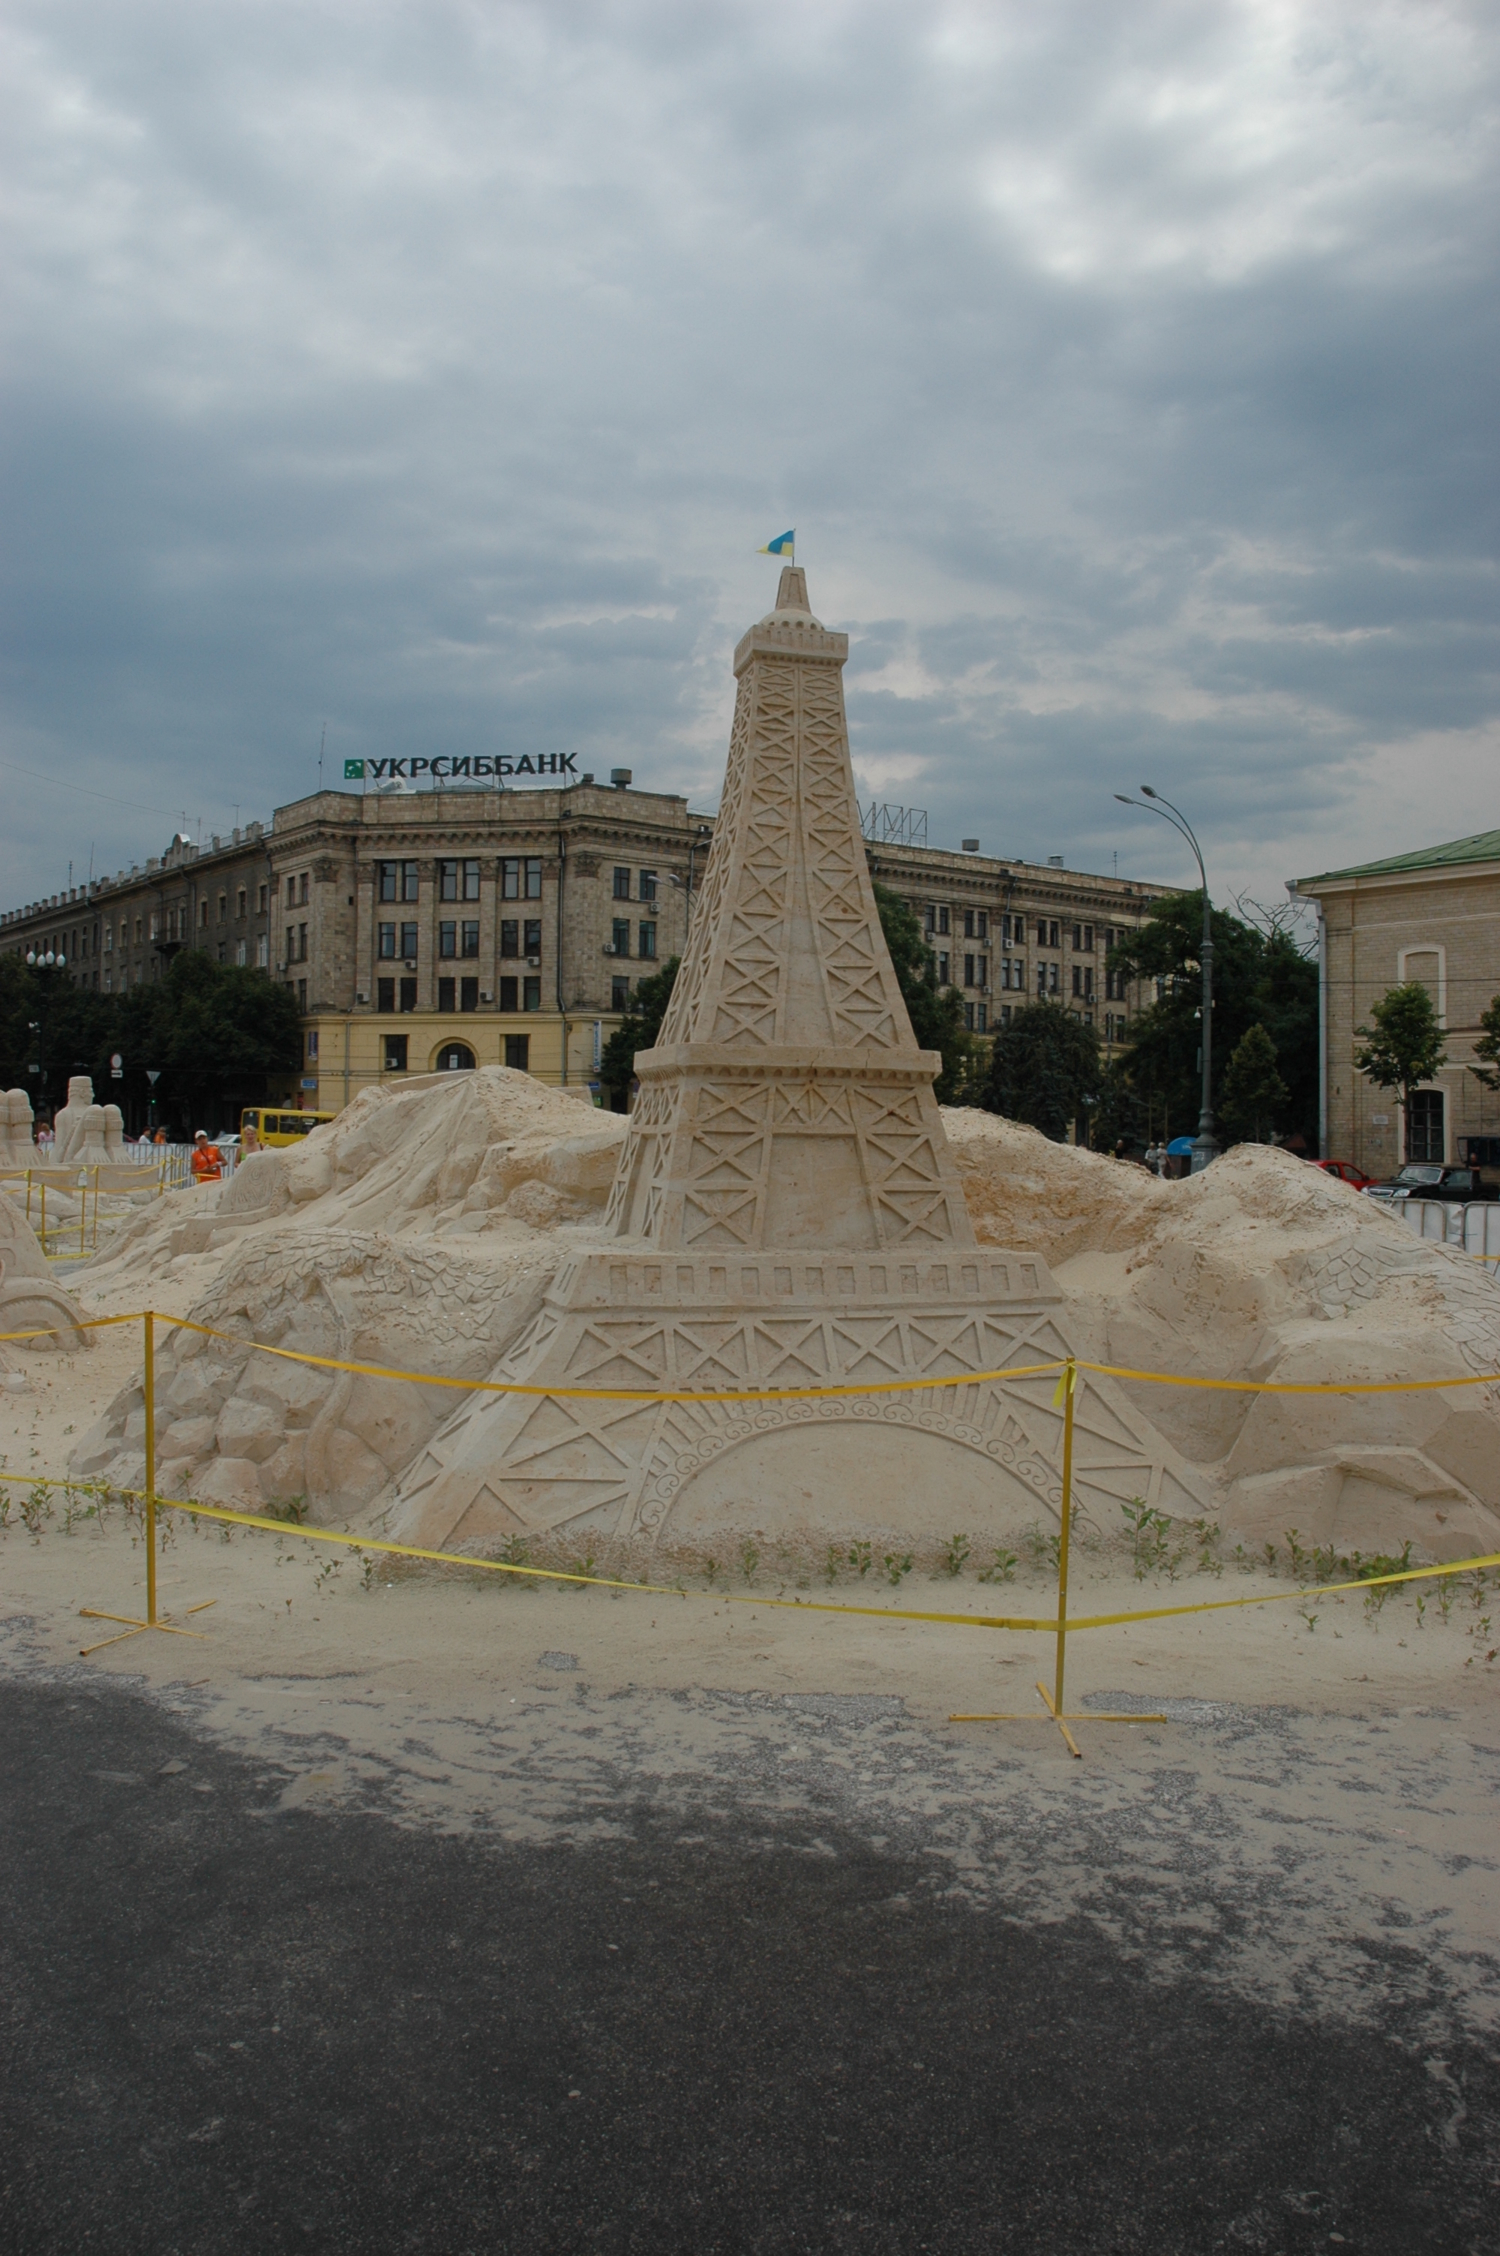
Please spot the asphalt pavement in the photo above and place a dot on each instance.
(231, 2028)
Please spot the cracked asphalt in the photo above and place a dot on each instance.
(783, 2003)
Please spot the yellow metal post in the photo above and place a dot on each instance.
(149, 1321)
(1070, 1388)
(44, 1217)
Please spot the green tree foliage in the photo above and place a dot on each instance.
(936, 1013)
(1488, 1047)
(639, 1027)
(1254, 1094)
(1260, 979)
(1405, 1047)
(1044, 1069)
(216, 1034)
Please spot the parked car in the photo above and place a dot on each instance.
(1427, 1179)
(1346, 1171)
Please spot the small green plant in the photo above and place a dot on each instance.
(749, 1558)
(1206, 1535)
(1038, 1547)
(711, 1572)
(327, 1572)
(1311, 1620)
(367, 1570)
(1002, 1568)
(956, 1554)
(1148, 1532)
(859, 1558)
(897, 1564)
(1272, 1556)
(1421, 1612)
(36, 1508)
(292, 1509)
(1300, 1558)
(583, 1566)
(515, 1551)
(1445, 1599)
(832, 1563)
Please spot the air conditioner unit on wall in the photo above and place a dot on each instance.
(535, 962)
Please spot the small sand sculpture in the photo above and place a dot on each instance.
(16, 1146)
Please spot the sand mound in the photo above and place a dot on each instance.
(420, 1229)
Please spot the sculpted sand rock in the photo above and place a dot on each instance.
(30, 1301)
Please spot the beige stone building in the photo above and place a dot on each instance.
(1434, 916)
(429, 929)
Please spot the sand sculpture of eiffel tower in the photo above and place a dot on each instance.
(786, 1214)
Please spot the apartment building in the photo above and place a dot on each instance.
(432, 930)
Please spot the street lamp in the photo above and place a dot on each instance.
(45, 960)
(1205, 1144)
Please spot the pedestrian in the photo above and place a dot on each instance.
(208, 1160)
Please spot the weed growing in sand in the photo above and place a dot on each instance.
(292, 1509)
(329, 1571)
(1040, 1549)
(749, 1558)
(711, 1572)
(859, 1556)
(583, 1566)
(1149, 1534)
(832, 1563)
(956, 1554)
(897, 1564)
(1206, 1534)
(1311, 1620)
(36, 1508)
(1445, 1599)
(1002, 1568)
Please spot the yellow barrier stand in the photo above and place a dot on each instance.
(134, 1626)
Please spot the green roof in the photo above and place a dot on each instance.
(1484, 846)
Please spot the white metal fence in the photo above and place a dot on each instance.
(1471, 1225)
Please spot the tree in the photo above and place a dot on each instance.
(1044, 1069)
(1261, 978)
(936, 1013)
(637, 1030)
(1254, 1092)
(1406, 1047)
(1488, 1047)
(216, 1033)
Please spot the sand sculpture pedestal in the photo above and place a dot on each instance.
(787, 1216)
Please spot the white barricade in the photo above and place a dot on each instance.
(1471, 1224)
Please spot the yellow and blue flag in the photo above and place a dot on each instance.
(785, 544)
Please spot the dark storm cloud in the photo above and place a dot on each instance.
(434, 370)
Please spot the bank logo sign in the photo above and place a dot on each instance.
(445, 770)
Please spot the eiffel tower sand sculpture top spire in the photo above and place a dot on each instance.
(786, 1215)
(787, 1102)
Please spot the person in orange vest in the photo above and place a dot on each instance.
(208, 1160)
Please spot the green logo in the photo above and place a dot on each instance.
(354, 771)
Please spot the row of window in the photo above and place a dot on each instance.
(647, 880)
(620, 939)
(459, 938)
(520, 879)
(396, 1054)
(1013, 931)
(392, 995)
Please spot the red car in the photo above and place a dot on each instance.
(1345, 1170)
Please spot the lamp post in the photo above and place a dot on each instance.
(1205, 1144)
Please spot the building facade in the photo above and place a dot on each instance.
(1432, 916)
(434, 930)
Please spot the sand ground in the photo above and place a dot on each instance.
(1312, 1827)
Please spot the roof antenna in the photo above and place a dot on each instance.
(322, 740)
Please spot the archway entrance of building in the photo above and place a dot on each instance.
(454, 1057)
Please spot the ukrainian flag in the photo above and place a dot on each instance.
(785, 544)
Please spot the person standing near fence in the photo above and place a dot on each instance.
(208, 1160)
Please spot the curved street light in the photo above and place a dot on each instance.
(1205, 1144)
(46, 960)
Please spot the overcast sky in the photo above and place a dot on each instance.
(434, 371)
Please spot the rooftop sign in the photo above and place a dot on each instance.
(445, 770)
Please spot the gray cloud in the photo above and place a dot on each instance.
(434, 370)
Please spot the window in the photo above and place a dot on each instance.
(1088, 939)
(241, 953)
(532, 935)
(395, 1053)
(409, 942)
(109, 938)
(518, 1052)
(508, 993)
(930, 919)
(521, 878)
(1088, 983)
(983, 923)
(1078, 979)
(408, 994)
(468, 994)
(648, 885)
(1114, 986)
(448, 881)
(447, 995)
(263, 952)
(223, 908)
(398, 881)
(531, 994)
(290, 952)
(262, 893)
(1054, 972)
(942, 922)
(984, 972)
(1041, 979)
(1425, 1139)
(984, 1018)
(385, 940)
(942, 971)
(969, 1017)
(302, 994)
(619, 994)
(385, 994)
(1043, 928)
(622, 885)
(620, 936)
(648, 941)
(448, 939)
(968, 924)
(969, 972)
(312, 1043)
(455, 1057)
(302, 943)
(510, 937)
(203, 912)
(223, 951)
(240, 900)
(470, 938)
